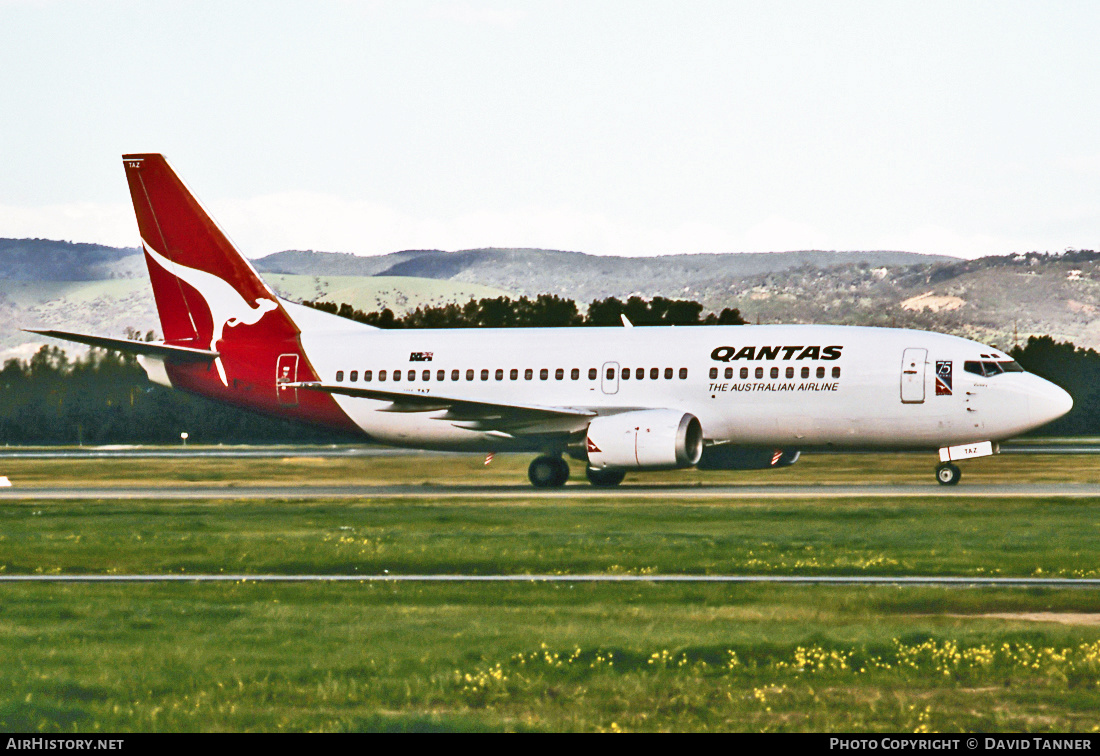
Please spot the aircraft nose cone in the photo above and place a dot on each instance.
(1048, 402)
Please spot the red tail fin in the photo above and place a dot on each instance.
(205, 290)
(210, 298)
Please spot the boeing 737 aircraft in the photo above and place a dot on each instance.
(616, 399)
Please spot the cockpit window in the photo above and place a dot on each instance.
(988, 369)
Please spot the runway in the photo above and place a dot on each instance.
(580, 490)
(209, 452)
(901, 580)
(1039, 446)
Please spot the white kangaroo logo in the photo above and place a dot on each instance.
(227, 307)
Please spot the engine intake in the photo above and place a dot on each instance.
(645, 439)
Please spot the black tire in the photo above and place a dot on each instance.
(563, 471)
(948, 474)
(548, 472)
(605, 478)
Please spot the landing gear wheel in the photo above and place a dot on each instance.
(548, 472)
(605, 478)
(948, 474)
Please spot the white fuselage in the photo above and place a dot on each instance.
(783, 393)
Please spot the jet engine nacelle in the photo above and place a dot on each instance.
(746, 458)
(645, 439)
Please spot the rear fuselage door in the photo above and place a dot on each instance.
(912, 375)
(610, 378)
(286, 371)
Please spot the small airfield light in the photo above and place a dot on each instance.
(184, 437)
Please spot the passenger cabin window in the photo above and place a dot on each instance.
(397, 375)
(836, 372)
(354, 376)
(821, 371)
(484, 374)
(367, 375)
(513, 374)
(574, 374)
(454, 375)
(626, 374)
(427, 375)
(470, 374)
(774, 373)
(790, 373)
(668, 374)
(381, 375)
(729, 373)
(592, 373)
(759, 373)
(744, 373)
(805, 372)
(654, 373)
(528, 374)
(339, 376)
(639, 373)
(412, 375)
(683, 373)
(610, 373)
(440, 375)
(713, 373)
(559, 374)
(499, 374)
(544, 374)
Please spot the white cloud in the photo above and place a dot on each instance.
(316, 221)
(98, 223)
(475, 14)
(304, 220)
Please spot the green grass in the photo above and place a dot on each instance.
(974, 537)
(539, 657)
(511, 469)
(532, 656)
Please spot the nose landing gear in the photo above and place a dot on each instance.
(548, 472)
(948, 474)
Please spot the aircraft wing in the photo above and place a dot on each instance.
(151, 348)
(506, 419)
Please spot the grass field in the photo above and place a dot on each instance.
(511, 469)
(528, 656)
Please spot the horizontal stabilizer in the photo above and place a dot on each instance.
(151, 348)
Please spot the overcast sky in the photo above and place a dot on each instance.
(615, 128)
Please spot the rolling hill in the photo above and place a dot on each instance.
(993, 299)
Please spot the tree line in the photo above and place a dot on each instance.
(544, 311)
(105, 398)
(1075, 369)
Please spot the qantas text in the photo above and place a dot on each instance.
(728, 353)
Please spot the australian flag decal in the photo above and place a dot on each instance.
(943, 377)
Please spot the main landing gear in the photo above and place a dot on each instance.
(948, 474)
(548, 472)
